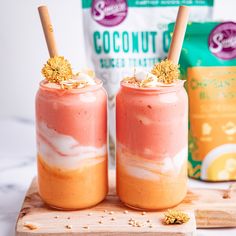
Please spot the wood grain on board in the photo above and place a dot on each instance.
(206, 207)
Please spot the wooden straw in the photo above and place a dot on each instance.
(48, 30)
(178, 35)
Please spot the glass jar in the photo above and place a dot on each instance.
(151, 145)
(71, 127)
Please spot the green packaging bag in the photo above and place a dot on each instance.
(208, 63)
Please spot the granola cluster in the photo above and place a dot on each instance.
(166, 71)
(58, 70)
(175, 217)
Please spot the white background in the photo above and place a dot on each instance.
(22, 54)
(23, 49)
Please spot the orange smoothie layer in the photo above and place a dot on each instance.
(78, 188)
(158, 191)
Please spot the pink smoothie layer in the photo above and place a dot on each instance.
(78, 113)
(152, 123)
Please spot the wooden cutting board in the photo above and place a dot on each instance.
(206, 207)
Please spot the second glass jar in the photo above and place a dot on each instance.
(151, 146)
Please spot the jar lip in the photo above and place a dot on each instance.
(58, 89)
(159, 89)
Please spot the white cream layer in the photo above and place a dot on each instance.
(152, 169)
(63, 151)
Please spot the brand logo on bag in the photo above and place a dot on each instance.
(222, 41)
(109, 12)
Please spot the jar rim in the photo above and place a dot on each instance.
(89, 88)
(159, 89)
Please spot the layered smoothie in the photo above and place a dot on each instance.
(71, 118)
(151, 127)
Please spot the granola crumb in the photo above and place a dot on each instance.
(125, 212)
(68, 217)
(85, 227)
(111, 212)
(226, 195)
(228, 192)
(136, 223)
(100, 222)
(148, 221)
(30, 226)
(56, 217)
(143, 213)
(89, 214)
(112, 219)
(69, 226)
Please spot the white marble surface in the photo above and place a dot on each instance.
(18, 166)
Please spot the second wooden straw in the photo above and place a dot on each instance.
(178, 35)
